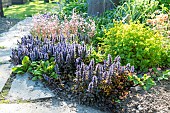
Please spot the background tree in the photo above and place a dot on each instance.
(46, 1)
(1, 9)
(97, 7)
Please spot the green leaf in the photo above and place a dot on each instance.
(36, 72)
(54, 75)
(25, 60)
(35, 78)
(40, 77)
(14, 69)
(30, 69)
(34, 64)
(136, 82)
(147, 87)
(50, 68)
(18, 70)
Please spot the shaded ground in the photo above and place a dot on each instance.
(7, 23)
(156, 100)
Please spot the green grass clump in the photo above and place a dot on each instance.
(2, 47)
(27, 10)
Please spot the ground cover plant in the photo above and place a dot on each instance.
(60, 56)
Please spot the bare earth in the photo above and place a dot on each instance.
(156, 100)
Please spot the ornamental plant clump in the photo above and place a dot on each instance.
(137, 45)
(63, 54)
(109, 79)
(46, 70)
(160, 22)
(50, 25)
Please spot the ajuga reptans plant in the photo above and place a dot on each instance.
(109, 79)
(62, 53)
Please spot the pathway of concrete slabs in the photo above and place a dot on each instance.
(5, 72)
(45, 107)
(9, 41)
(25, 89)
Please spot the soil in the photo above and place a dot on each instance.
(7, 23)
(156, 100)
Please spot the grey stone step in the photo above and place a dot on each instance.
(5, 71)
(5, 55)
(25, 89)
(46, 107)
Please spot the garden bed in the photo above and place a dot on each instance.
(93, 62)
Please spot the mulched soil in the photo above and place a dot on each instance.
(156, 100)
(7, 23)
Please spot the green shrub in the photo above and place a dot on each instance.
(138, 10)
(165, 3)
(137, 45)
(67, 10)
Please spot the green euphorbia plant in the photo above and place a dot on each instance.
(137, 45)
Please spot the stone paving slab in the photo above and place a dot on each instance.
(5, 72)
(22, 28)
(4, 55)
(46, 107)
(24, 88)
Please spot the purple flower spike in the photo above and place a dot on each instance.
(128, 66)
(46, 57)
(118, 66)
(109, 59)
(56, 68)
(94, 80)
(84, 75)
(104, 65)
(117, 59)
(132, 69)
(90, 87)
(105, 75)
(91, 63)
(68, 58)
(41, 55)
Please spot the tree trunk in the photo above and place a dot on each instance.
(1, 9)
(97, 7)
(46, 1)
